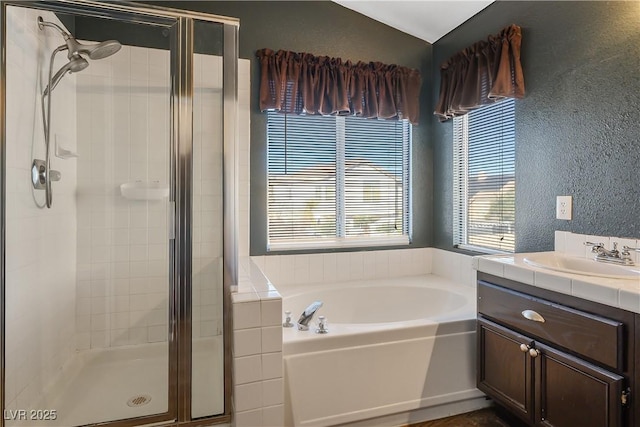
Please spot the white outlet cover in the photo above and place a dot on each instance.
(564, 207)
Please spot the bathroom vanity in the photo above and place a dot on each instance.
(552, 358)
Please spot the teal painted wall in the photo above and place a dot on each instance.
(578, 128)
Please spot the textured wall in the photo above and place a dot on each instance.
(325, 28)
(577, 130)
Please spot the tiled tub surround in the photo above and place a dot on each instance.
(286, 270)
(259, 398)
(622, 293)
(40, 243)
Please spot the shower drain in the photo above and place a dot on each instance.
(139, 400)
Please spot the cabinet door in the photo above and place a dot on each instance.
(571, 392)
(504, 369)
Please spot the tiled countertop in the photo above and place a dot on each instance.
(622, 293)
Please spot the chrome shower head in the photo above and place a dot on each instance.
(75, 51)
(76, 64)
(94, 51)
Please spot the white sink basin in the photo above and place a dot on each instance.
(586, 267)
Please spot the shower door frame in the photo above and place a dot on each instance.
(181, 173)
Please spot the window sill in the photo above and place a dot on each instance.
(338, 243)
(482, 251)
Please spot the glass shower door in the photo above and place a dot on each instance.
(207, 265)
(119, 118)
(87, 278)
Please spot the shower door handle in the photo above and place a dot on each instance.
(54, 175)
(172, 219)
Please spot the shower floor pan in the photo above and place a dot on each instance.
(124, 382)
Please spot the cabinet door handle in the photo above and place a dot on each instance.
(533, 315)
(527, 349)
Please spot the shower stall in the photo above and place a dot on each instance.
(118, 204)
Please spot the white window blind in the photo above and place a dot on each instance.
(337, 181)
(484, 178)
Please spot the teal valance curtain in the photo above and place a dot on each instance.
(302, 83)
(483, 73)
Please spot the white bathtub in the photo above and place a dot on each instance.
(398, 351)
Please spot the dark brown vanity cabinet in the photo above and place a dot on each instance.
(552, 364)
(505, 372)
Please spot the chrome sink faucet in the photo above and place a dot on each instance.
(613, 256)
(307, 315)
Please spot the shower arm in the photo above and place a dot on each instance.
(42, 23)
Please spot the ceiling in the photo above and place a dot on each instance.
(428, 20)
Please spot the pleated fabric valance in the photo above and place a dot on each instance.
(481, 74)
(301, 83)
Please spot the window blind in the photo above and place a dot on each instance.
(484, 178)
(337, 181)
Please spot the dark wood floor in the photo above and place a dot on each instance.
(481, 418)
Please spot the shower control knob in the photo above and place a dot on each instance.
(39, 174)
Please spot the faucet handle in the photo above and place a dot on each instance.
(594, 246)
(626, 249)
(322, 325)
(287, 321)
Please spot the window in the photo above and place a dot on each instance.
(337, 181)
(484, 183)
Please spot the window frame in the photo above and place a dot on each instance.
(341, 240)
(461, 199)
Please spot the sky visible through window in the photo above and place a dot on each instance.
(311, 142)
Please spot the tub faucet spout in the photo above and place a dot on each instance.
(307, 315)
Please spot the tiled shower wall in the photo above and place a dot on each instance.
(123, 129)
(122, 259)
(40, 242)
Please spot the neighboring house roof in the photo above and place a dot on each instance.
(327, 171)
(478, 202)
(485, 183)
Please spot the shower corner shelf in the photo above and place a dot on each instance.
(140, 190)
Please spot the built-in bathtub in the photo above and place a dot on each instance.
(398, 351)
